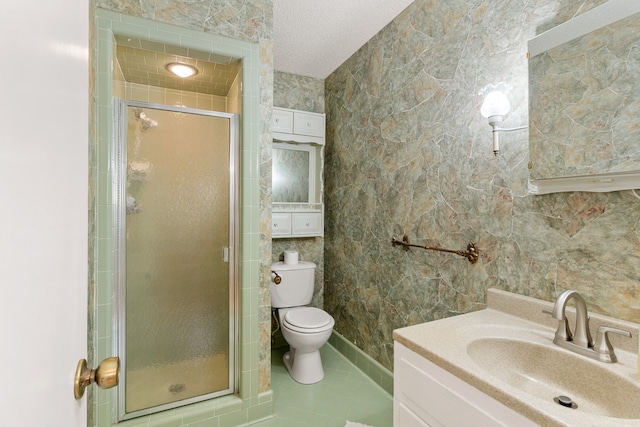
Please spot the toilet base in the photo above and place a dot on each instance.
(305, 368)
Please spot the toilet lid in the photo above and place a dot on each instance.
(308, 320)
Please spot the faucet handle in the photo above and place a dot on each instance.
(603, 345)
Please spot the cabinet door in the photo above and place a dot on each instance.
(405, 417)
(308, 223)
(308, 124)
(282, 121)
(438, 398)
(281, 224)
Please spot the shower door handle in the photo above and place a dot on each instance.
(106, 375)
(225, 254)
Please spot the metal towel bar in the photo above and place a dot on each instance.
(471, 253)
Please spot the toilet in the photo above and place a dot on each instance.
(305, 329)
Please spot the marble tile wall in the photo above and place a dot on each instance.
(250, 21)
(408, 152)
(298, 92)
(305, 94)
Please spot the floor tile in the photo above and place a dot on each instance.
(345, 393)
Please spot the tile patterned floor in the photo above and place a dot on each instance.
(344, 394)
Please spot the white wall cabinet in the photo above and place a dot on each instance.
(298, 126)
(425, 395)
(282, 121)
(306, 223)
(296, 224)
(281, 224)
(298, 163)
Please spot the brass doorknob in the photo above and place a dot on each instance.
(106, 375)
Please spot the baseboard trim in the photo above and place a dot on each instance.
(369, 366)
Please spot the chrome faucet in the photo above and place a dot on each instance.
(582, 335)
(580, 340)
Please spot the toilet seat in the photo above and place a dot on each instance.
(308, 320)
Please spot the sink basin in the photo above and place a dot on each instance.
(546, 371)
(506, 353)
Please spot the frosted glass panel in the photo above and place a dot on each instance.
(177, 282)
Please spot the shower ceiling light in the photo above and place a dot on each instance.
(182, 70)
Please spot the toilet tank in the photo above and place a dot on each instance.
(296, 287)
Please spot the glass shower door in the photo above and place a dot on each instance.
(176, 280)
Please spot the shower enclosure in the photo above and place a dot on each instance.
(176, 193)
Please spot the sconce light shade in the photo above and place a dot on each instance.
(495, 103)
(495, 106)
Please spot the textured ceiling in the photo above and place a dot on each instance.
(311, 38)
(314, 37)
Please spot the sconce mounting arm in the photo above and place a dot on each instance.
(510, 129)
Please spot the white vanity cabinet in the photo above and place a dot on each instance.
(425, 395)
(297, 185)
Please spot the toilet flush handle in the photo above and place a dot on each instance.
(276, 279)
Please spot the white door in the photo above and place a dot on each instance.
(43, 210)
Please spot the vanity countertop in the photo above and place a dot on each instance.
(445, 343)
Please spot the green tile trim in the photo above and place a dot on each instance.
(261, 412)
(369, 366)
(171, 421)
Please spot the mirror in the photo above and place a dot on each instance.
(584, 98)
(293, 173)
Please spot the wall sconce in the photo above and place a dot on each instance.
(495, 106)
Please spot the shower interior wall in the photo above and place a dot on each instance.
(164, 96)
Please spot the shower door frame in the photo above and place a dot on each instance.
(119, 168)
